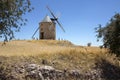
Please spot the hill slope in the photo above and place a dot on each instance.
(21, 59)
(33, 47)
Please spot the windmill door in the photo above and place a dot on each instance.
(42, 35)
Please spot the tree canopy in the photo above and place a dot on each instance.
(11, 17)
(110, 34)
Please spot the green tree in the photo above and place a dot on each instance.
(89, 44)
(11, 17)
(110, 34)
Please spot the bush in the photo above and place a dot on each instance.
(110, 34)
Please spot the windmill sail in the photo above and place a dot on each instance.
(56, 19)
(35, 32)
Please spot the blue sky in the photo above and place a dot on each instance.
(78, 17)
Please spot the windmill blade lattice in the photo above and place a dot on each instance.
(56, 19)
(35, 32)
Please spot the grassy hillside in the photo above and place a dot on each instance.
(32, 47)
(59, 54)
(62, 53)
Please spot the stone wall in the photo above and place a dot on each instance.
(48, 29)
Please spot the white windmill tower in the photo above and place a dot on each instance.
(47, 27)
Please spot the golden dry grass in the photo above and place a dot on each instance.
(18, 48)
(62, 53)
(33, 47)
(59, 54)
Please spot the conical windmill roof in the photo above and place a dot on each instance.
(46, 19)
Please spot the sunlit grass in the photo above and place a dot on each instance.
(32, 47)
(59, 54)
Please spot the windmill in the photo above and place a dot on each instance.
(47, 27)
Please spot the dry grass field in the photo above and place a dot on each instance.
(33, 47)
(59, 54)
(63, 53)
